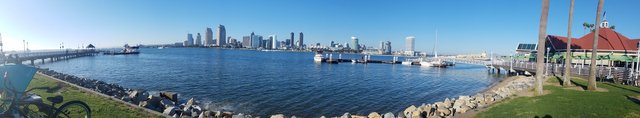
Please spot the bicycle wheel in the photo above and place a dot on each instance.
(73, 109)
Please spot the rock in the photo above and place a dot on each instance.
(447, 103)
(374, 115)
(401, 115)
(167, 103)
(323, 116)
(205, 114)
(277, 116)
(190, 102)
(173, 96)
(294, 116)
(389, 115)
(346, 115)
(169, 111)
(218, 114)
(409, 110)
(227, 114)
(358, 116)
(443, 112)
(463, 109)
(240, 115)
(154, 102)
(416, 114)
(426, 109)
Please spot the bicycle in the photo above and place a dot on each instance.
(24, 104)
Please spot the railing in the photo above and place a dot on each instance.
(46, 53)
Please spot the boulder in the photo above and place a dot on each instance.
(409, 110)
(443, 112)
(167, 103)
(416, 114)
(190, 102)
(346, 115)
(374, 115)
(426, 109)
(294, 116)
(356, 116)
(389, 115)
(240, 115)
(463, 109)
(154, 102)
(227, 114)
(401, 115)
(205, 114)
(277, 116)
(173, 96)
(169, 111)
(218, 114)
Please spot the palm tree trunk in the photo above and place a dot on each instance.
(592, 73)
(541, 47)
(567, 60)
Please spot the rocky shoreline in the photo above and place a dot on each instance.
(168, 104)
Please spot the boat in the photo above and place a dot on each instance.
(126, 51)
(161, 47)
(435, 62)
(318, 57)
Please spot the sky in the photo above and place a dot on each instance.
(463, 26)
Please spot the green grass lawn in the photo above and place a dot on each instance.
(101, 107)
(566, 103)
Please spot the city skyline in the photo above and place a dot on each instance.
(481, 25)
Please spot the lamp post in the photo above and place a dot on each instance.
(637, 62)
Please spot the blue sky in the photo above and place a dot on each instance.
(469, 26)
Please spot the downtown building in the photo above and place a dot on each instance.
(221, 36)
(410, 45)
(208, 37)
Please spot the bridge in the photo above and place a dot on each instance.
(51, 55)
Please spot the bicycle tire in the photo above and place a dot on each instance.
(61, 109)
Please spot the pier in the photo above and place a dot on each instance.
(32, 57)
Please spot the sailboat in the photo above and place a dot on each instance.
(435, 62)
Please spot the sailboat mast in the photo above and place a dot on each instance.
(434, 46)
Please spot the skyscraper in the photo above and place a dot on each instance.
(246, 41)
(275, 42)
(409, 43)
(355, 45)
(292, 42)
(198, 40)
(388, 47)
(221, 36)
(301, 43)
(208, 37)
(189, 41)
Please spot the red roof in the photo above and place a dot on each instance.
(609, 40)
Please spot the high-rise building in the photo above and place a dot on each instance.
(291, 43)
(221, 34)
(198, 40)
(189, 41)
(246, 41)
(388, 47)
(355, 44)
(301, 41)
(272, 42)
(256, 41)
(208, 37)
(410, 41)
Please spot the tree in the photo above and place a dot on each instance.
(567, 60)
(594, 52)
(541, 47)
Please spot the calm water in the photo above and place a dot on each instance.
(262, 83)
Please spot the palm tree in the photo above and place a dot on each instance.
(585, 25)
(541, 47)
(592, 72)
(567, 61)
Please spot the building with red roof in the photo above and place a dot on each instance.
(609, 42)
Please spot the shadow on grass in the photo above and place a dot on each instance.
(614, 85)
(48, 89)
(584, 87)
(545, 116)
(632, 99)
